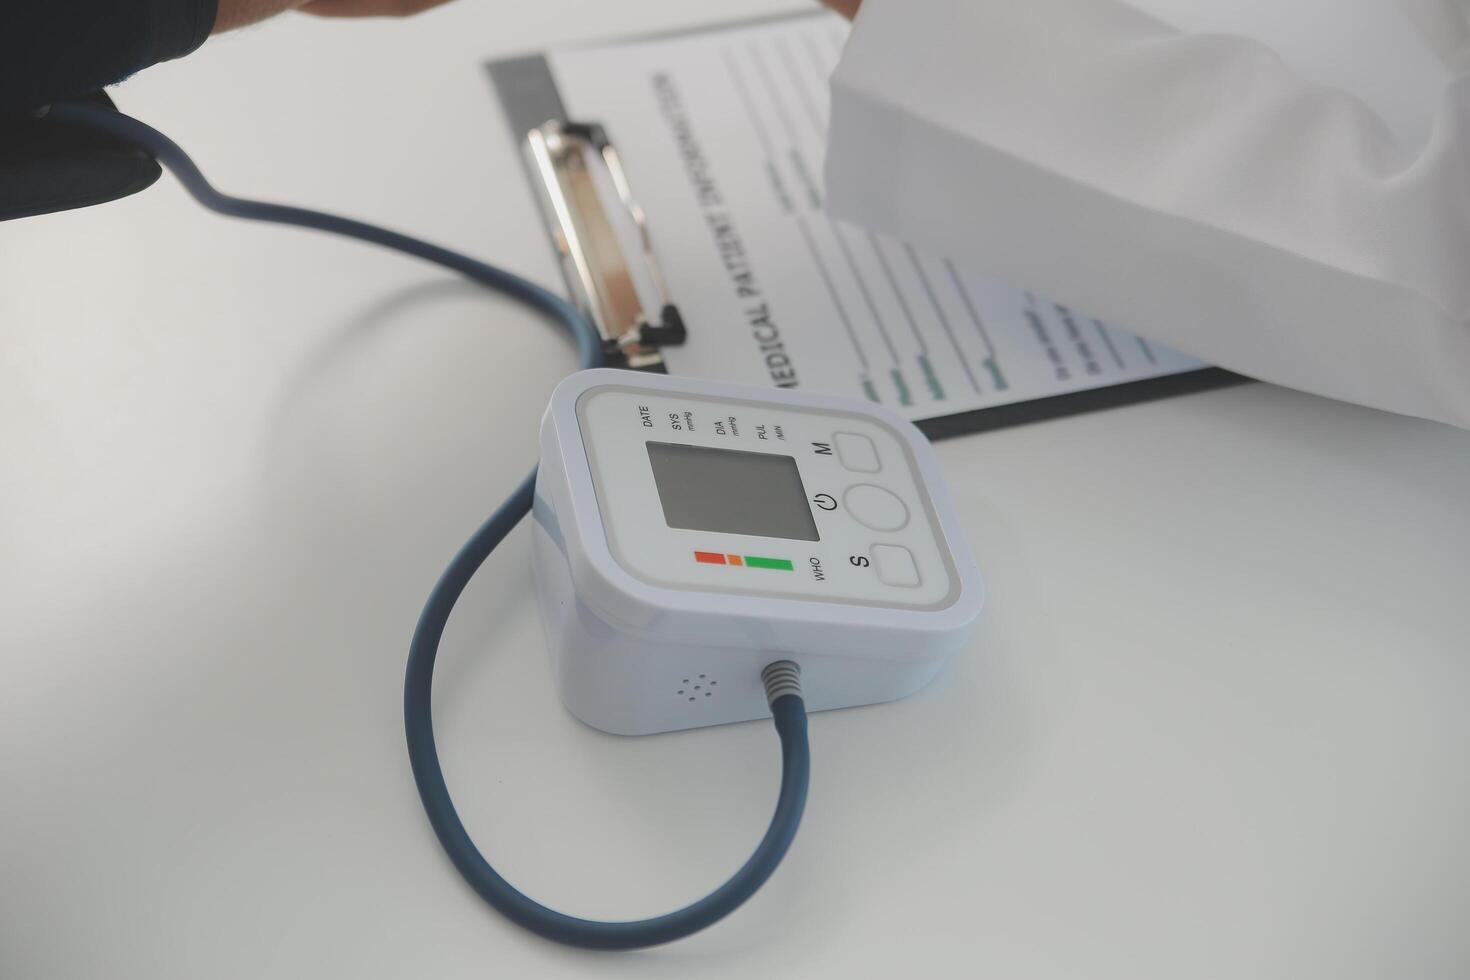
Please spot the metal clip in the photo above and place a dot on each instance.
(596, 226)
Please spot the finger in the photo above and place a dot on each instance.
(368, 8)
(847, 8)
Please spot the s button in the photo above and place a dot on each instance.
(896, 566)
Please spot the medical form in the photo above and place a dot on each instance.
(722, 134)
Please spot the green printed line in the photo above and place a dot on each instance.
(779, 564)
(905, 396)
(931, 378)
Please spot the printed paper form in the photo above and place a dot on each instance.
(722, 134)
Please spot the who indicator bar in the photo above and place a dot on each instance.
(749, 561)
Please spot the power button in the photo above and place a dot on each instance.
(876, 508)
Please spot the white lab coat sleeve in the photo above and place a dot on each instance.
(1445, 27)
(1189, 188)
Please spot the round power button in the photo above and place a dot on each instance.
(876, 508)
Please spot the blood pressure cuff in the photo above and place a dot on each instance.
(45, 168)
(52, 50)
(1280, 188)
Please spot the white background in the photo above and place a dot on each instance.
(1214, 724)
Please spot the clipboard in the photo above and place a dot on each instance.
(615, 275)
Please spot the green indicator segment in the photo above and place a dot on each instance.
(779, 564)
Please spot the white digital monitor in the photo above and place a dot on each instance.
(688, 522)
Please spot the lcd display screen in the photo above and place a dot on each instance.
(731, 491)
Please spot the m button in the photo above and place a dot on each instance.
(857, 452)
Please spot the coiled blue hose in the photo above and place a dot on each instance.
(787, 708)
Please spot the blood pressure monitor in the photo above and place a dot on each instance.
(689, 532)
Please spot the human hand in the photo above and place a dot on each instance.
(847, 8)
(238, 13)
(367, 8)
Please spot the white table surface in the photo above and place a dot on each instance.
(1214, 724)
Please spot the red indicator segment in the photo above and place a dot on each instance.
(709, 558)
